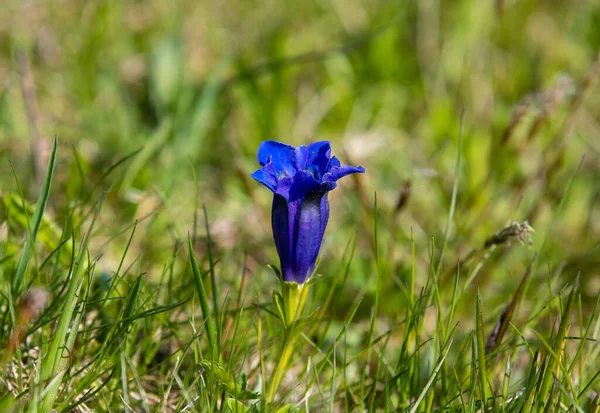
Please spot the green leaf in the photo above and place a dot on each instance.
(224, 378)
(288, 408)
(278, 301)
(235, 406)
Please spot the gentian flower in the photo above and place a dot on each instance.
(300, 179)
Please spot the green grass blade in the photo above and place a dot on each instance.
(454, 192)
(431, 379)
(556, 346)
(55, 351)
(568, 395)
(54, 387)
(36, 221)
(208, 320)
(481, 363)
(213, 281)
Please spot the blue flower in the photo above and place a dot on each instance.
(300, 179)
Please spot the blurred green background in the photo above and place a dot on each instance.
(196, 86)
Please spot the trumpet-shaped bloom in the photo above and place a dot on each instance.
(300, 179)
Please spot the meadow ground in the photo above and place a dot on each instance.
(461, 272)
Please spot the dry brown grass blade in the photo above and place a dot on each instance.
(30, 307)
(495, 337)
(595, 407)
(403, 197)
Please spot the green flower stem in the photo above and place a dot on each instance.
(294, 298)
(281, 367)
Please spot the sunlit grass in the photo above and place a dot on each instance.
(134, 250)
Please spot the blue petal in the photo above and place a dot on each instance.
(282, 220)
(308, 236)
(304, 183)
(298, 229)
(301, 157)
(319, 154)
(282, 157)
(283, 186)
(333, 162)
(267, 176)
(338, 172)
